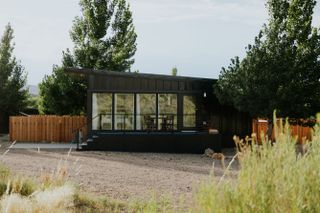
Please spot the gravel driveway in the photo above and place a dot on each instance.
(120, 175)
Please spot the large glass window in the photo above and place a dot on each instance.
(189, 111)
(167, 112)
(101, 111)
(145, 107)
(146, 112)
(124, 111)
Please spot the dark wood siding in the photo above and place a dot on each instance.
(120, 83)
(226, 119)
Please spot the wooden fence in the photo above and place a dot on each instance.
(46, 128)
(302, 132)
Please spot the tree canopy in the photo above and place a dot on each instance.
(13, 92)
(104, 38)
(281, 70)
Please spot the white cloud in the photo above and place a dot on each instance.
(149, 11)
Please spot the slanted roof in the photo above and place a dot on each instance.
(132, 74)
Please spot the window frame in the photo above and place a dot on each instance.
(183, 112)
(179, 111)
(98, 116)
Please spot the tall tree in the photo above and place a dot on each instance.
(281, 70)
(13, 93)
(104, 38)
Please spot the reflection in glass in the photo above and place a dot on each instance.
(167, 112)
(101, 111)
(146, 112)
(189, 111)
(124, 111)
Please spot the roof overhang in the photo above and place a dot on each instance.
(88, 72)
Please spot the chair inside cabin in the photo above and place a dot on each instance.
(150, 123)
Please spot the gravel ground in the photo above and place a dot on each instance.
(120, 175)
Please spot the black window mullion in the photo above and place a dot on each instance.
(180, 111)
(135, 111)
(113, 111)
(157, 110)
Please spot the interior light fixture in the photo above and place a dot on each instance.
(204, 94)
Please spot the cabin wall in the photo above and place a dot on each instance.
(226, 119)
(129, 84)
(230, 122)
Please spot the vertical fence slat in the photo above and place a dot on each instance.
(302, 133)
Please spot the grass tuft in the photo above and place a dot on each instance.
(274, 177)
(89, 203)
(161, 205)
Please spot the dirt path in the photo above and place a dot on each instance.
(118, 175)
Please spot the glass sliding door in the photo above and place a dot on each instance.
(146, 112)
(189, 111)
(167, 115)
(101, 111)
(124, 111)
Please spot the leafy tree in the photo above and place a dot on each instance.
(13, 95)
(104, 38)
(281, 70)
(33, 102)
(62, 94)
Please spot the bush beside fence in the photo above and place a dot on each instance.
(46, 128)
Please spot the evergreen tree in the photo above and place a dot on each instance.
(104, 38)
(13, 93)
(281, 70)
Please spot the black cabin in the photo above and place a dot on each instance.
(157, 113)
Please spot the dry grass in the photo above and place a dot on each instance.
(273, 177)
(51, 192)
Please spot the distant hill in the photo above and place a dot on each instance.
(33, 90)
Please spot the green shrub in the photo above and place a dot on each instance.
(274, 177)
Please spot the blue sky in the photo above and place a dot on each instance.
(196, 36)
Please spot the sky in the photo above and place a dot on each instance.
(196, 36)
